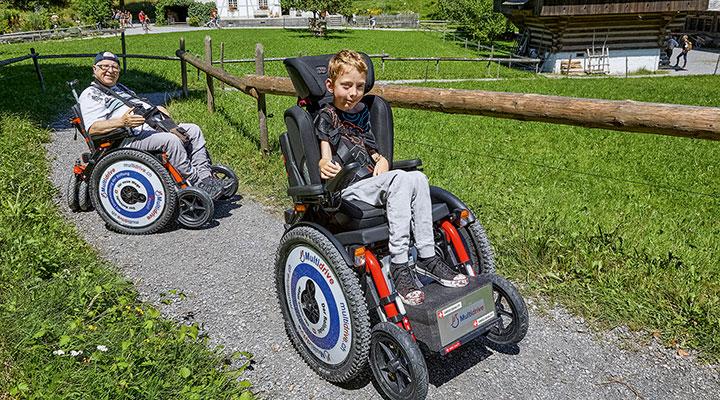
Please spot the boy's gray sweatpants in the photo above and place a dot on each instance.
(192, 163)
(406, 197)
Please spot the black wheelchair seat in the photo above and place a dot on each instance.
(357, 214)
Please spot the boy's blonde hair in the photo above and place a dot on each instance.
(344, 59)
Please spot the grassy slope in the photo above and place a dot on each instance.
(423, 7)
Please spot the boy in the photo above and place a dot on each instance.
(406, 195)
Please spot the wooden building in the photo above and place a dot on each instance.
(704, 26)
(597, 36)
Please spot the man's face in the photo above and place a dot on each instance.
(107, 72)
(348, 88)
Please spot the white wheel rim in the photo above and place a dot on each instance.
(129, 176)
(329, 337)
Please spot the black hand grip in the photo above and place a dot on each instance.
(338, 181)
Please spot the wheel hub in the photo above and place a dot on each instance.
(130, 195)
(309, 304)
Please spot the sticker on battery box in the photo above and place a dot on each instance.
(448, 310)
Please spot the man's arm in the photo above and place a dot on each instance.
(127, 120)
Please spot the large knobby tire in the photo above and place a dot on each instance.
(323, 304)
(397, 364)
(510, 306)
(481, 252)
(133, 193)
(71, 192)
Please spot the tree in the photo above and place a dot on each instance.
(475, 16)
(317, 7)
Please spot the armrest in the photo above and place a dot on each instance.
(119, 133)
(338, 182)
(307, 190)
(407, 165)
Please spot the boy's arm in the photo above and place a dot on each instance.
(328, 168)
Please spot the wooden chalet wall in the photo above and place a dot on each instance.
(554, 25)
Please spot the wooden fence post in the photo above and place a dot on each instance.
(37, 68)
(209, 79)
(717, 63)
(183, 69)
(123, 49)
(626, 67)
(222, 63)
(261, 105)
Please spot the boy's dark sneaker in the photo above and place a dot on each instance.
(213, 187)
(435, 268)
(405, 285)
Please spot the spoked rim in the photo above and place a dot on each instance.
(505, 310)
(196, 207)
(392, 364)
(132, 193)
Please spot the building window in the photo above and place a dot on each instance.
(232, 5)
(263, 4)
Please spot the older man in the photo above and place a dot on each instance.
(107, 105)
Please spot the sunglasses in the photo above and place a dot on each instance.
(106, 67)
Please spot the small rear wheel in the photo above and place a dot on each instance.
(71, 194)
(196, 207)
(511, 308)
(220, 171)
(397, 363)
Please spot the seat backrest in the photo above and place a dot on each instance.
(308, 75)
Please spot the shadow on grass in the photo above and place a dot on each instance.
(330, 34)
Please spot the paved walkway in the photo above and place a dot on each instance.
(700, 62)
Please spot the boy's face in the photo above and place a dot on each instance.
(348, 88)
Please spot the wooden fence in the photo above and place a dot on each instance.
(619, 115)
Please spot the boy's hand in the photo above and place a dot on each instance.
(381, 165)
(328, 168)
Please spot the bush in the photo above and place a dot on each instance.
(34, 21)
(194, 21)
(94, 11)
(9, 19)
(145, 6)
(200, 11)
(476, 17)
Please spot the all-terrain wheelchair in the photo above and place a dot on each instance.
(341, 311)
(134, 191)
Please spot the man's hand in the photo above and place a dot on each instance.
(328, 168)
(130, 120)
(381, 165)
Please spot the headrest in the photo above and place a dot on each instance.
(308, 75)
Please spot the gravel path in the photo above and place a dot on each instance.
(226, 273)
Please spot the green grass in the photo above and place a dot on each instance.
(57, 295)
(618, 227)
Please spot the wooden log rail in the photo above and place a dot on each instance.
(620, 115)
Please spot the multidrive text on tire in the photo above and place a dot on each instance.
(221, 171)
(133, 192)
(397, 363)
(479, 248)
(196, 207)
(323, 305)
(510, 306)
